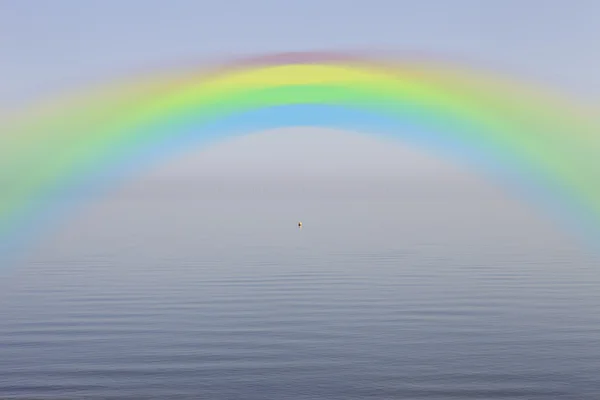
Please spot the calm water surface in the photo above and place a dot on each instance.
(380, 296)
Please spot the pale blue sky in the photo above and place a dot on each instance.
(51, 45)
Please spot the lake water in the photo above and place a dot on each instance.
(386, 293)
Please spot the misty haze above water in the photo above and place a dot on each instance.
(411, 278)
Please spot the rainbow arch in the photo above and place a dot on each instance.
(55, 155)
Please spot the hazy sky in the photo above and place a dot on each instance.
(51, 46)
(307, 154)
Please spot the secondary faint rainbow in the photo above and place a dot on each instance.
(53, 154)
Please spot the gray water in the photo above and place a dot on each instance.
(386, 293)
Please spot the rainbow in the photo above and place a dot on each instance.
(54, 156)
